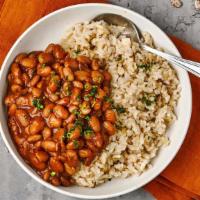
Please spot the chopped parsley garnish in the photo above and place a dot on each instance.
(87, 86)
(78, 98)
(75, 143)
(77, 51)
(67, 135)
(93, 91)
(108, 99)
(148, 99)
(43, 66)
(76, 112)
(87, 117)
(86, 97)
(146, 66)
(38, 103)
(119, 57)
(78, 123)
(88, 132)
(53, 173)
(120, 109)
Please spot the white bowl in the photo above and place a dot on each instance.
(50, 29)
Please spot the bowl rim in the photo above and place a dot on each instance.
(57, 189)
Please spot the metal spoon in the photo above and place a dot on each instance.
(133, 32)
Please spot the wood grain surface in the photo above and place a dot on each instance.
(181, 180)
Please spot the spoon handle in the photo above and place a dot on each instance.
(193, 67)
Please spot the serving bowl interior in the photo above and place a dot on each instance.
(51, 29)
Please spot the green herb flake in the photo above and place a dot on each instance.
(76, 112)
(78, 123)
(86, 97)
(88, 132)
(76, 52)
(120, 109)
(108, 99)
(148, 99)
(53, 173)
(87, 117)
(78, 98)
(119, 57)
(67, 135)
(37, 102)
(93, 91)
(86, 86)
(145, 66)
(43, 66)
(75, 143)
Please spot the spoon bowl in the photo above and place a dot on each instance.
(135, 35)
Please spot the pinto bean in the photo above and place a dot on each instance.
(110, 129)
(97, 77)
(58, 135)
(100, 94)
(75, 134)
(56, 165)
(54, 122)
(50, 48)
(87, 86)
(55, 181)
(107, 76)
(60, 112)
(85, 153)
(23, 117)
(68, 74)
(36, 92)
(49, 146)
(12, 109)
(54, 83)
(70, 169)
(34, 138)
(45, 58)
(71, 63)
(46, 175)
(82, 75)
(34, 80)
(65, 182)
(71, 118)
(75, 97)
(15, 88)
(58, 52)
(84, 59)
(75, 144)
(78, 84)
(20, 56)
(95, 64)
(36, 163)
(63, 101)
(96, 104)
(28, 62)
(46, 133)
(110, 116)
(90, 144)
(36, 125)
(9, 99)
(72, 108)
(43, 70)
(94, 123)
(85, 108)
(72, 158)
(48, 110)
(98, 140)
(42, 156)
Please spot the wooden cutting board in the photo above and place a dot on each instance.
(181, 180)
